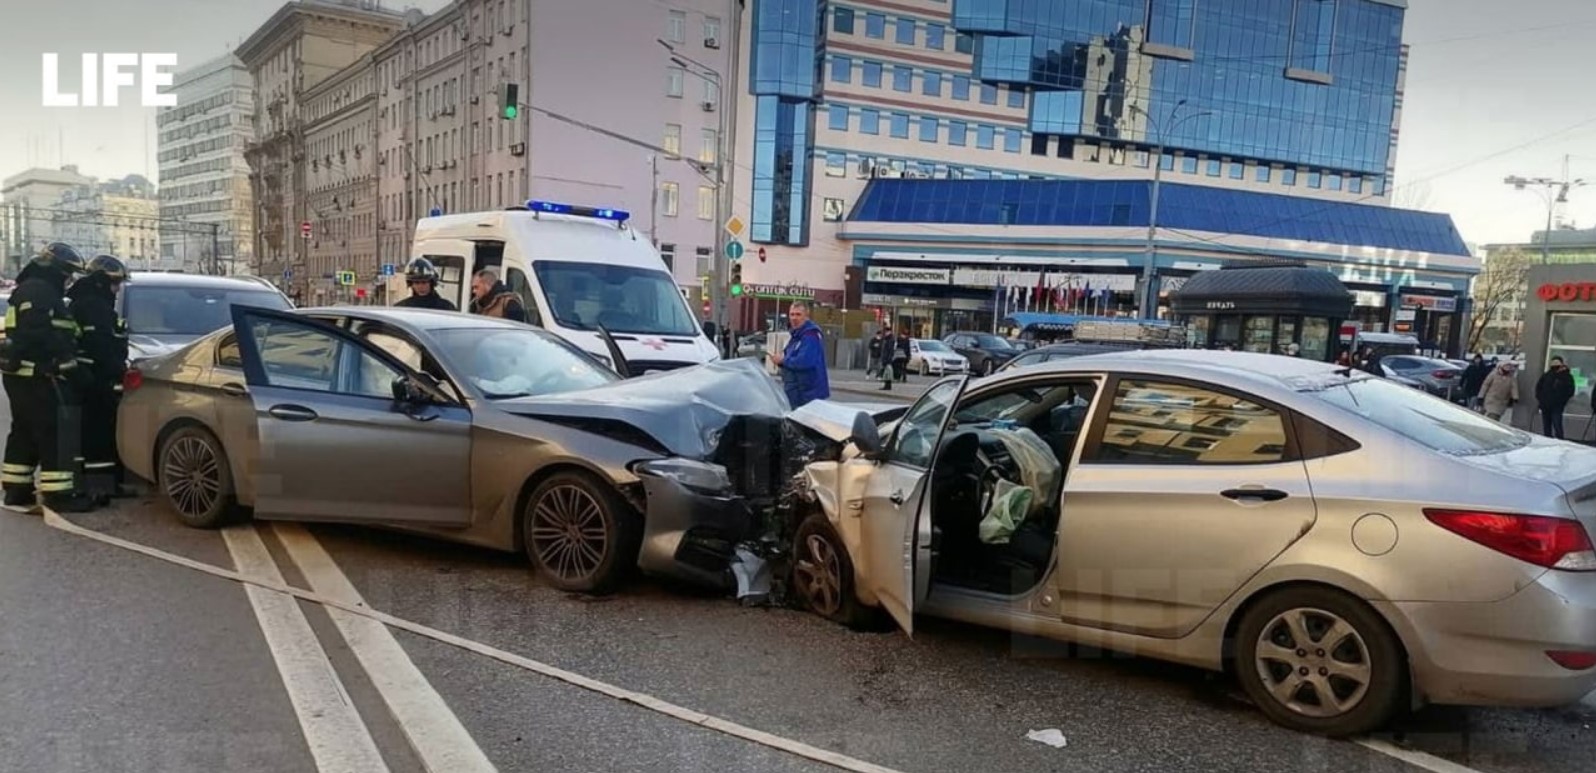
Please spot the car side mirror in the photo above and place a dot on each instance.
(407, 392)
(865, 435)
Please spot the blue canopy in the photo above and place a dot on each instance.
(1027, 319)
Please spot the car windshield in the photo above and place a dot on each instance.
(622, 299)
(993, 342)
(934, 346)
(157, 310)
(506, 363)
(1436, 424)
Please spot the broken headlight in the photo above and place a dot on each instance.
(699, 476)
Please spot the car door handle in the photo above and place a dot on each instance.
(896, 498)
(292, 413)
(1266, 494)
(234, 389)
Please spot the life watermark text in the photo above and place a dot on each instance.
(105, 75)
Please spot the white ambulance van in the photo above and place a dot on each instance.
(576, 269)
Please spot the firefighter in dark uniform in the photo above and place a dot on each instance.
(423, 277)
(102, 349)
(41, 375)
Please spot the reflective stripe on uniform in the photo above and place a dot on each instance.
(88, 328)
(99, 465)
(69, 364)
(55, 480)
(23, 469)
(65, 324)
(55, 475)
(54, 486)
(24, 306)
(11, 318)
(116, 388)
(86, 360)
(10, 477)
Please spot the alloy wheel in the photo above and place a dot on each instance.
(819, 576)
(1313, 663)
(569, 535)
(192, 475)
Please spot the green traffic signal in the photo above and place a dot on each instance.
(510, 100)
(736, 290)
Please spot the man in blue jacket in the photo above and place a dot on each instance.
(803, 363)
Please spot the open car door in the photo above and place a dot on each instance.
(346, 432)
(896, 532)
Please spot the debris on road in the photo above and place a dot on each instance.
(1052, 736)
(753, 578)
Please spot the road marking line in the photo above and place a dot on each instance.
(338, 739)
(442, 743)
(727, 727)
(1414, 757)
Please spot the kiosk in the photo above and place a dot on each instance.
(1265, 309)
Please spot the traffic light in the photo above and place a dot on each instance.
(510, 100)
(737, 279)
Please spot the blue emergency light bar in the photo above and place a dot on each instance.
(553, 208)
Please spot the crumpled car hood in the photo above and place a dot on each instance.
(834, 420)
(684, 410)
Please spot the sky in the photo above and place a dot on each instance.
(1494, 89)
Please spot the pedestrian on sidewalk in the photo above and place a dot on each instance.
(889, 346)
(1553, 392)
(1499, 392)
(874, 366)
(803, 362)
(1473, 379)
(900, 354)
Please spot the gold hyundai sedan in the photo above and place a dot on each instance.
(1346, 546)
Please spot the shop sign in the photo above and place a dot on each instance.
(1405, 315)
(1567, 292)
(1221, 305)
(1368, 299)
(791, 290)
(909, 275)
(1431, 303)
(900, 301)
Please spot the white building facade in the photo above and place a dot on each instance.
(205, 198)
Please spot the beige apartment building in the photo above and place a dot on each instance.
(340, 117)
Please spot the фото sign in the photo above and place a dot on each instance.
(909, 275)
(1431, 303)
(1567, 292)
(103, 77)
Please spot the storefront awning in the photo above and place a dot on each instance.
(1288, 290)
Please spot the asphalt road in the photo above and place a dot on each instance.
(113, 660)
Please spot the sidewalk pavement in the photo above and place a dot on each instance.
(852, 383)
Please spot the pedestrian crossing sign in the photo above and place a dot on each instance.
(346, 278)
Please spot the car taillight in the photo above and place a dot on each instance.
(1555, 543)
(1443, 374)
(1572, 660)
(132, 379)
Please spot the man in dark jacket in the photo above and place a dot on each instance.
(422, 277)
(1552, 392)
(889, 346)
(875, 352)
(102, 349)
(493, 298)
(803, 361)
(1474, 378)
(39, 359)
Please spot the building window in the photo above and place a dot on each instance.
(709, 146)
(841, 69)
(1170, 22)
(842, 21)
(1315, 180)
(1335, 182)
(905, 31)
(902, 78)
(673, 82)
(871, 75)
(900, 126)
(1312, 34)
(1237, 171)
(1214, 167)
(673, 139)
(988, 94)
(1188, 164)
(935, 36)
(929, 127)
(670, 196)
(832, 210)
(1012, 139)
(712, 31)
(706, 203)
(838, 118)
(964, 43)
(676, 27)
(1016, 97)
(875, 26)
(667, 252)
(958, 132)
(1355, 185)
(985, 137)
(1264, 173)
(869, 121)
(961, 88)
(1573, 337)
(931, 84)
(836, 165)
(1288, 177)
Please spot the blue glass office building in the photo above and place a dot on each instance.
(1272, 123)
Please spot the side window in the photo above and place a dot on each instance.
(914, 442)
(366, 375)
(227, 354)
(400, 348)
(296, 357)
(516, 279)
(1160, 423)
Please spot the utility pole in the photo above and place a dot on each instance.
(1148, 306)
(1554, 192)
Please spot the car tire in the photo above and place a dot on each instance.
(823, 578)
(569, 519)
(1365, 666)
(925, 368)
(987, 368)
(194, 478)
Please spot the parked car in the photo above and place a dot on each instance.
(165, 311)
(1231, 511)
(466, 428)
(1438, 377)
(930, 357)
(984, 351)
(1063, 351)
(752, 345)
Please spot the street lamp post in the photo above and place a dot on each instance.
(1555, 192)
(1149, 301)
(716, 173)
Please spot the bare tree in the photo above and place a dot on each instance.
(1501, 284)
(1415, 195)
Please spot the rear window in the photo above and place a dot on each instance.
(176, 310)
(1429, 421)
